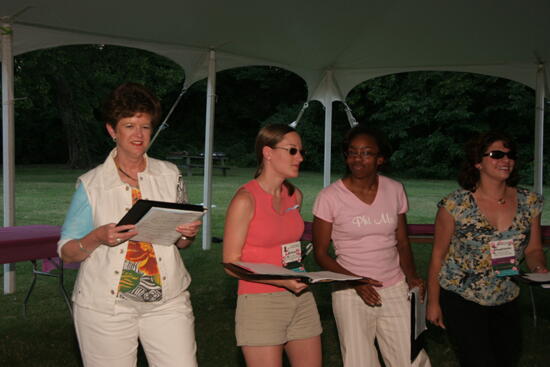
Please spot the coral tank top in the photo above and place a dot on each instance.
(268, 231)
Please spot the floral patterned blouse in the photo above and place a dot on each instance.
(140, 279)
(467, 268)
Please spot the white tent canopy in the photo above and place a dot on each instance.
(357, 39)
(333, 46)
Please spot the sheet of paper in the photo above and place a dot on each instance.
(319, 276)
(158, 226)
(537, 277)
(419, 313)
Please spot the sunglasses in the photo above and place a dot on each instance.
(499, 154)
(293, 151)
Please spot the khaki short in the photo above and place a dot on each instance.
(275, 318)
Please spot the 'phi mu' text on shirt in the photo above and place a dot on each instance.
(363, 220)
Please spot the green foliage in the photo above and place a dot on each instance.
(247, 98)
(428, 116)
(62, 90)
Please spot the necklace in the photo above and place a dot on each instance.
(500, 201)
(127, 175)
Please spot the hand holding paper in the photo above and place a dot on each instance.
(113, 235)
(158, 222)
(189, 229)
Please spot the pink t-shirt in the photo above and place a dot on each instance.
(364, 236)
(268, 231)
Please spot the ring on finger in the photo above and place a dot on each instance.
(118, 240)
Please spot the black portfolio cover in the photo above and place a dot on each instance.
(141, 207)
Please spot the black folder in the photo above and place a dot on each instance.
(141, 207)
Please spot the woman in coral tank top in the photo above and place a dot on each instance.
(262, 223)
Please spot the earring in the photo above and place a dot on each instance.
(114, 139)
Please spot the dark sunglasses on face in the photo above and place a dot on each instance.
(499, 154)
(293, 151)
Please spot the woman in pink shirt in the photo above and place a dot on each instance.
(263, 223)
(364, 215)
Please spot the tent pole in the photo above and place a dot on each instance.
(208, 143)
(328, 142)
(539, 131)
(8, 144)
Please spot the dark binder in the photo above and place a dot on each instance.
(141, 207)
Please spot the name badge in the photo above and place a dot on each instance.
(291, 254)
(503, 258)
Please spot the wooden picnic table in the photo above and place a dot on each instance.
(187, 162)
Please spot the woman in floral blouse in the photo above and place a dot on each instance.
(482, 232)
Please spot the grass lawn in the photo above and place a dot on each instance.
(46, 336)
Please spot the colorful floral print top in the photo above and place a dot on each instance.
(140, 279)
(467, 268)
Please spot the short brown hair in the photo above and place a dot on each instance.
(129, 99)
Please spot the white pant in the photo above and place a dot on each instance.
(166, 332)
(359, 324)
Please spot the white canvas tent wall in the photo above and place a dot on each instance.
(332, 46)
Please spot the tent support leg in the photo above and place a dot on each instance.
(328, 143)
(8, 144)
(539, 131)
(208, 143)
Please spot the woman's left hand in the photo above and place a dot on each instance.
(417, 282)
(189, 229)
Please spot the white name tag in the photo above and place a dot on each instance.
(291, 254)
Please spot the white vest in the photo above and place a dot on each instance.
(110, 198)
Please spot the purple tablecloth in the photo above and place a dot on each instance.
(24, 243)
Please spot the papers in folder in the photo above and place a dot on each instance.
(156, 221)
(537, 277)
(256, 271)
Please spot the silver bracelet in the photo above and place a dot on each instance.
(185, 238)
(83, 249)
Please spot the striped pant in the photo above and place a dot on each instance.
(359, 325)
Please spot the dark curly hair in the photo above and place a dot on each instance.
(384, 147)
(127, 100)
(468, 177)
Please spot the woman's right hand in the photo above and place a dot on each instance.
(434, 314)
(113, 235)
(368, 294)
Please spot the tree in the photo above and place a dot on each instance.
(428, 116)
(64, 87)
